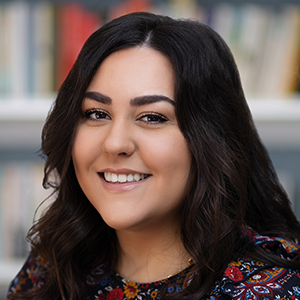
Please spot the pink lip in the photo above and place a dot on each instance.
(121, 187)
(121, 171)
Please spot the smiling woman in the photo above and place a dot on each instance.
(123, 151)
(163, 188)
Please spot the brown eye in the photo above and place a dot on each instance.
(153, 118)
(95, 114)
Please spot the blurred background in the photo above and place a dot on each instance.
(39, 42)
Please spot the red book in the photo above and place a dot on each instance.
(129, 6)
(74, 26)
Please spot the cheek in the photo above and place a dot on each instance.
(78, 151)
(85, 148)
(82, 157)
(169, 155)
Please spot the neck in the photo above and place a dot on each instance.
(150, 256)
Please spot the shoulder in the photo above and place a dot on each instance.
(276, 245)
(30, 277)
(246, 279)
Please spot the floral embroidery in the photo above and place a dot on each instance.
(265, 276)
(144, 285)
(262, 283)
(289, 246)
(115, 294)
(32, 275)
(131, 290)
(236, 263)
(171, 289)
(153, 294)
(244, 279)
(296, 290)
(234, 273)
(101, 297)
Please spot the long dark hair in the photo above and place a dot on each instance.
(232, 180)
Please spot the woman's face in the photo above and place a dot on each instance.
(130, 157)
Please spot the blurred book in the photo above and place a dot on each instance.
(21, 192)
(128, 6)
(74, 26)
(40, 41)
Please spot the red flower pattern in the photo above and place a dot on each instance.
(234, 273)
(243, 279)
(115, 294)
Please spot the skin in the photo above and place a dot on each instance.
(129, 126)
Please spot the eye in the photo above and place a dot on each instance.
(95, 114)
(153, 118)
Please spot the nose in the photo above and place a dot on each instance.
(119, 140)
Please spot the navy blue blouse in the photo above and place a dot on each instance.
(244, 279)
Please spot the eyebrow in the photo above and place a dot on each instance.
(98, 97)
(142, 100)
(137, 101)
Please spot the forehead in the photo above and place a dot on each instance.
(135, 71)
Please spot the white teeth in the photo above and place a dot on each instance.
(137, 177)
(112, 177)
(130, 178)
(122, 178)
(107, 176)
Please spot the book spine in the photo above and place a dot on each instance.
(21, 192)
(44, 44)
(19, 40)
(74, 26)
(2, 213)
(129, 6)
(290, 67)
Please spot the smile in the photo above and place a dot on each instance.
(122, 178)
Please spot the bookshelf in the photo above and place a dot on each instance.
(24, 105)
(278, 122)
(21, 121)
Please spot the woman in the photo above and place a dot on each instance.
(163, 188)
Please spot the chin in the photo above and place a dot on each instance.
(120, 224)
(128, 224)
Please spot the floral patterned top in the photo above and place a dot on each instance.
(243, 279)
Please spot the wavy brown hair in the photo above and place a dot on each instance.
(232, 180)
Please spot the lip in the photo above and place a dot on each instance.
(121, 187)
(121, 171)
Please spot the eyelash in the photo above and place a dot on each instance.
(159, 119)
(89, 112)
